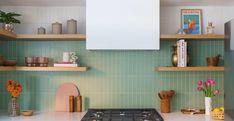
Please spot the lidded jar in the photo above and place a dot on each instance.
(56, 28)
(71, 26)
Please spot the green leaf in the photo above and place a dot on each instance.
(9, 17)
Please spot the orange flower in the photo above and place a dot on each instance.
(15, 93)
(18, 87)
(10, 82)
(15, 88)
(10, 88)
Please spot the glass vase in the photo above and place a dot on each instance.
(208, 105)
(14, 107)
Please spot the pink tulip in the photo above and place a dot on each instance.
(199, 83)
(216, 91)
(211, 81)
(208, 84)
(199, 89)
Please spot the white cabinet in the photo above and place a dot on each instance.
(122, 24)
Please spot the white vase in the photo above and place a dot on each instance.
(208, 106)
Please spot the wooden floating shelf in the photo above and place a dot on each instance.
(51, 36)
(202, 36)
(164, 69)
(80, 37)
(23, 68)
(7, 34)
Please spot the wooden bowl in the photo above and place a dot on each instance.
(9, 63)
(1, 60)
(27, 113)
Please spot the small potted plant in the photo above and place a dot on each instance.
(8, 19)
(14, 88)
(206, 88)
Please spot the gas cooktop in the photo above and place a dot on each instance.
(122, 115)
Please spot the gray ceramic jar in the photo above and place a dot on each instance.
(71, 26)
(56, 28)
(41, 30)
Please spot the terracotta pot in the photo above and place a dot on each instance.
(213, 61)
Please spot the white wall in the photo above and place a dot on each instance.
(170, 17)
(34, 17)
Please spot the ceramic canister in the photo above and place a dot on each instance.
(56, 28)
(66, 57)
(71, 26)
(41, 30)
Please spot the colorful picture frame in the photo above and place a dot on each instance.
(191, 21)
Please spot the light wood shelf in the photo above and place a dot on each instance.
(7, 34)
(23, 68)
(79, 37)
(205, 68)
(197, 37)
(82, 37)
(51, 36)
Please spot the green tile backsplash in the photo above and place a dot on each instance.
(116, 79)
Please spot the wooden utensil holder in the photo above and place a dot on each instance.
(165, 106)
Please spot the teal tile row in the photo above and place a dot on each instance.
(117, 79)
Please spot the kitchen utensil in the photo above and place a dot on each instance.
(9, 63)
(27, 113)
(165, 97)
(56, 28)
(165, 106)
(159, 96)
(62, 96)
(171, 93)
(71, 26)
(162, 94)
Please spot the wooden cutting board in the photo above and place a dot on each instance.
(62, 96)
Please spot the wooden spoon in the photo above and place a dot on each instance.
(171, 93)
(159, 95)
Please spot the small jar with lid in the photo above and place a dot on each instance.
(210, 28)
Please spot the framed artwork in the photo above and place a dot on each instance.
(191, 21)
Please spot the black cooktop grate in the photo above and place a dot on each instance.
(122, 115)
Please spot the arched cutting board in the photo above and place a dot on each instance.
(62, 96)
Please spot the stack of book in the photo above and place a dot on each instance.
(65, 64)
(182, 53)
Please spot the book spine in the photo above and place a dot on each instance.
(178, 53)
(65, 65)
(186, 55)
(182, 54)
